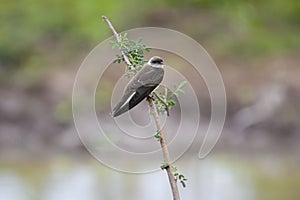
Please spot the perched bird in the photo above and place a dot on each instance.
(141, 86)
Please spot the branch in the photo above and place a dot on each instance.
(162, 140)
(118, 40)
(165, 151)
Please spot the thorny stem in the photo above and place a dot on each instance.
(163, 143)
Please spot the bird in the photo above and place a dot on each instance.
(141, 85)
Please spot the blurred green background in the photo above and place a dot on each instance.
(254, 43)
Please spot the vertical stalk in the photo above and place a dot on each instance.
(165, 151)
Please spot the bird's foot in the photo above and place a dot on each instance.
(150, 97)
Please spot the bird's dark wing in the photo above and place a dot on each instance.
(141, 93)
(123, 105)
(139, 88)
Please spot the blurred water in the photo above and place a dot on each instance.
(210, 179)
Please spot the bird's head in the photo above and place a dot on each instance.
(156, 61)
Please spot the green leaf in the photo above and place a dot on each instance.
(182, 84)
(164, 166)
(157, 136)
(171, 102)
(115, 46)
(131, 42)
(183, 184)
(124, 35)
(181, 91)
(174, 169)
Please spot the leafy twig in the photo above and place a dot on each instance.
(166, 102)
(178, 88)
(163, 102)
(134, 50)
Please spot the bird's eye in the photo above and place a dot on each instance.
(157, 61)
